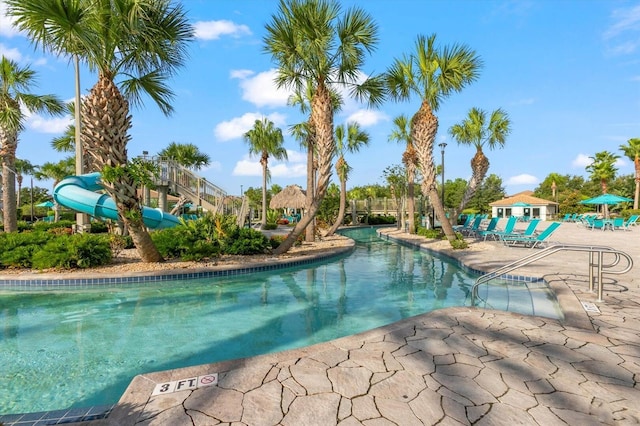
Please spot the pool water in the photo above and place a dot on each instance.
(62, 349)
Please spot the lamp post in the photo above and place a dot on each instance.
(442, 147)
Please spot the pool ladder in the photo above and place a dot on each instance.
(596, 257)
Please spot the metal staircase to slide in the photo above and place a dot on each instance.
(185, 182)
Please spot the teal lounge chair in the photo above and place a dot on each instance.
(508, 229)
(474, 227)
(466, 223)
(531, 241)
(632, 221)
(483, 233)
(531, 229)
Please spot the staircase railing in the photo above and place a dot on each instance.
(185, 182)
(244, 210)
(596, 257)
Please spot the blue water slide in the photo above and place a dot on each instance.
(79, 193)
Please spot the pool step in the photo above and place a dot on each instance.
(529, 298)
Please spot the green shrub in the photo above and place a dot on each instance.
(98, 227)
(248, 241)
(74, 251)
(381, 220)
(170, 242)
(54, 254)
(16, 249)
(430, 233)
(270, 226)
(201, 250)
(45, 226)
(18, 257)
(459, 244)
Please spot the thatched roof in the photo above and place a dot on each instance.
(292, 197)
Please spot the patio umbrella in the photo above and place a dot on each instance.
(606, 199)
(609, 199)
(47, 204)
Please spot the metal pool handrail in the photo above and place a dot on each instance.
(592, 250)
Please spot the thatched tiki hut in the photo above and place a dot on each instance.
(292, 197)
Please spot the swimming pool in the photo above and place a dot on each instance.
(79, 348)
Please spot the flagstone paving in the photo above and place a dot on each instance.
(455, 366)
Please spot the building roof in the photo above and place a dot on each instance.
(522, 197)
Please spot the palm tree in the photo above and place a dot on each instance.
(433, 74)
(474, 130)
(632, 151)
(603, 169)
(56, 172)
(186, 154)
(401, 133)
(134, 47)
(22, 167)
(303, 132)
(265, 140)
(15, 84)
(350, 139)
(313, 45)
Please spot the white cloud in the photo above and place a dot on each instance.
(581, 161)
(13, 54)
(624, 20)
(295, 166)
(213, 166)
(213, 30)
(367, 117)
(523, 179)
(236, 127)
(6, 22)
(260, 89)
(241, 74)
(247, 167)
(47, 125)
(297, 156)
(288, 170)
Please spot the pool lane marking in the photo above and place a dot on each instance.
(190, 383)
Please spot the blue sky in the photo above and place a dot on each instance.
(566, 72)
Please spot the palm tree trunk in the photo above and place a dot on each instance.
(411, 202)
(8, 156)
(19, 178)
(310, 234)
(424, 127)
(479, 168)
(341, 210)
(107, 144)
(322, 119)
(264, 194)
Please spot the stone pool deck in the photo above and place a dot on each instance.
(453, 366)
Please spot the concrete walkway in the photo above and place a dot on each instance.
(454, 366)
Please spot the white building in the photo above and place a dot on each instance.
(525, 205)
